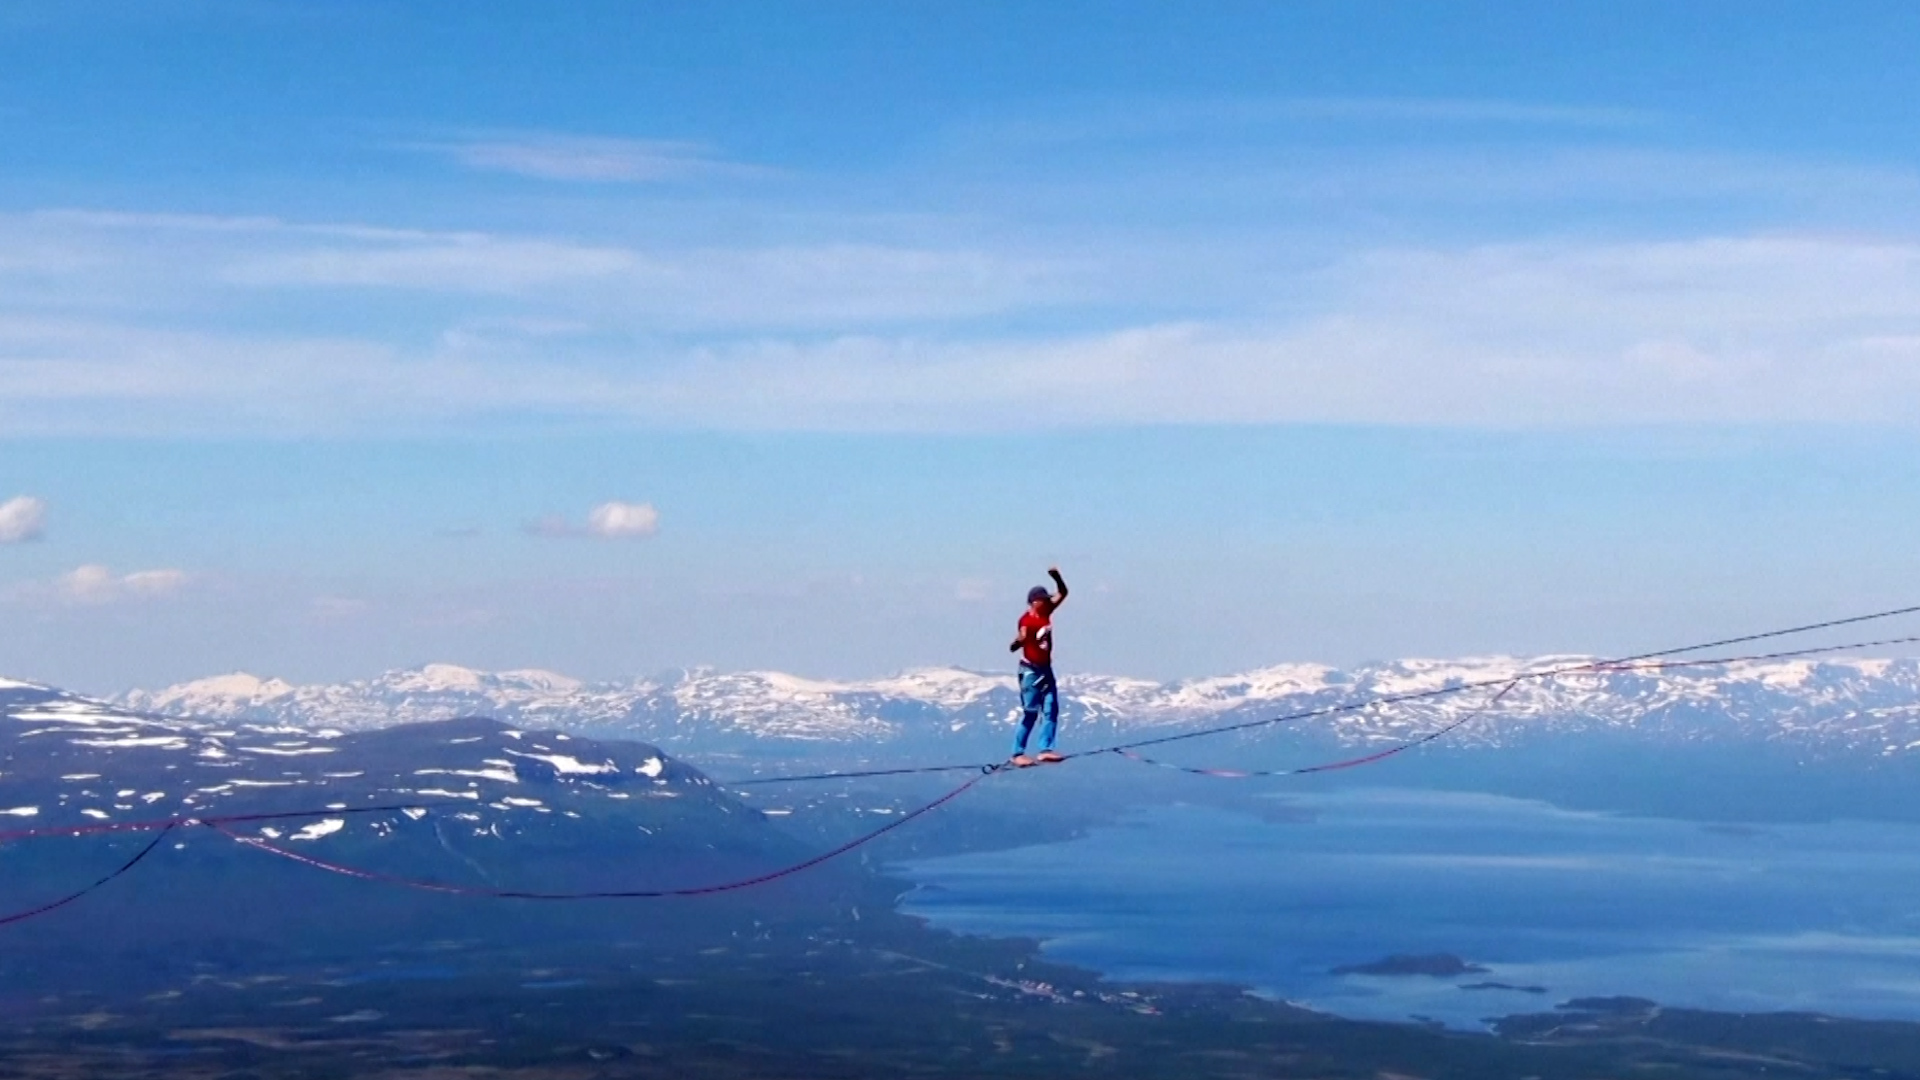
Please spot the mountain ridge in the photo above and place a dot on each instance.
(1844, 704)
(69, 762)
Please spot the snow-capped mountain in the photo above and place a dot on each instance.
(449, 788)
(1836, 704)
(314, 846)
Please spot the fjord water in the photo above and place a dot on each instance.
(1554, 903)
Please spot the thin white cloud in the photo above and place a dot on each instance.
(703, 288)
(585, 158)
(22, 518)
(1757, 329)
(138, 266)
(623, 520)
(1729, 329)
(553, 526)
(1160, 121)
(330, 608)
(607, 521)
(1462, 111)
(476, 264)
(96, 584)
(177, 225)
(153, 582)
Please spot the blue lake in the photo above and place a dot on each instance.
(1819, 918)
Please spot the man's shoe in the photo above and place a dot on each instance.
(1048, 755)
(1020, 761)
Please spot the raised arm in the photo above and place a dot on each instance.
(1061, 596)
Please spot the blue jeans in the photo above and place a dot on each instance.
(1038, 698)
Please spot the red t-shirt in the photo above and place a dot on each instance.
(1036, 631)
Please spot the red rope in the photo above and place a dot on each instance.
(622, 894)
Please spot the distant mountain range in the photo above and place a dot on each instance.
(1837, 705)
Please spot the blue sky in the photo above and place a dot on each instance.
(1293, 331)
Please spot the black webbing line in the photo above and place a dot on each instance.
(43, 909)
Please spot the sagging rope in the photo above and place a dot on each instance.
(162, 827)
(223, 825)
(617, 894)
(165, 826)
(55, 905)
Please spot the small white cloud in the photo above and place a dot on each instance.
(22, 518)
(618, 520)
(608, 521)
(96, 584)
(91, 583)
